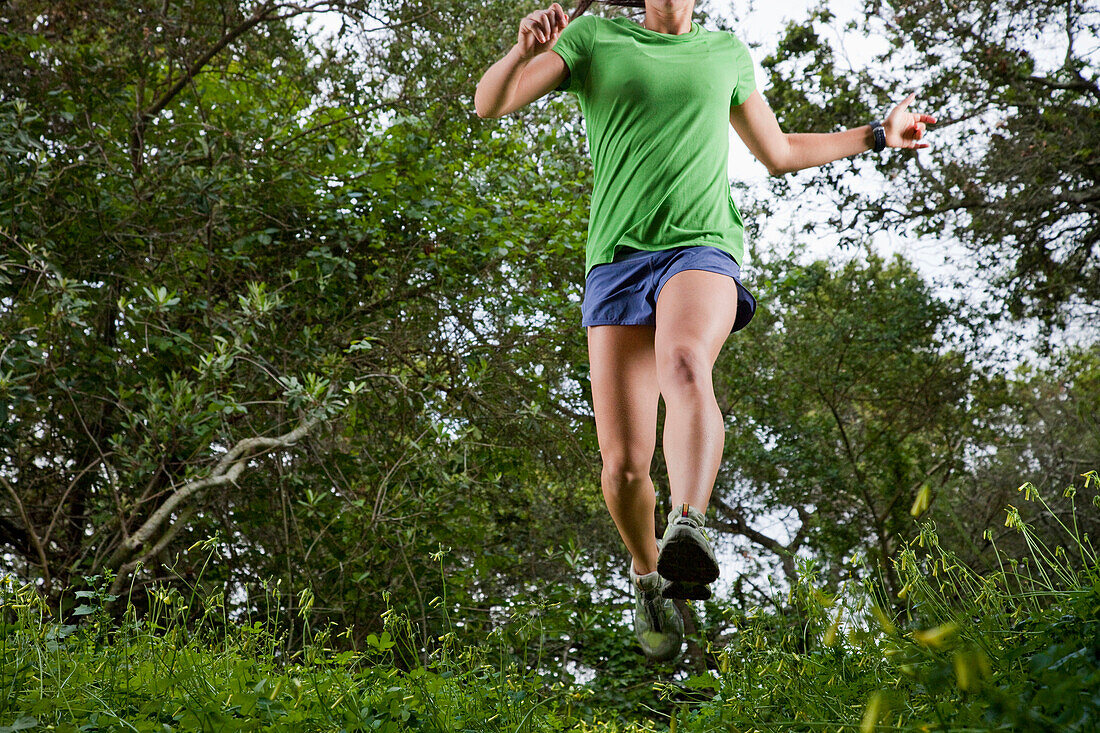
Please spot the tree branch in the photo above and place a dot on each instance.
(733, 520)
(29, 529)
(257, 17)
(1081, 84)
(128, 568)
(227, 471)
(137, 134)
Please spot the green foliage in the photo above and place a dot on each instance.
(1014, 649)
(1026, 203)
(154, 674)
(289, 294)
(1050, 418)
(330, 319)
(847, 399)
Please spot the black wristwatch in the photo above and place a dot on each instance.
(880, 136)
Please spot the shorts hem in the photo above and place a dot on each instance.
(585, 324)
(661, 286)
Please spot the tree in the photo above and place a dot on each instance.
(1040, 427)
(328, 320)
(1013, 174)
(849, 397)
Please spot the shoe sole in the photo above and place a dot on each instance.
(687, 591)
(684, 558)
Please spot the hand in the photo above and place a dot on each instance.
(539, 31)
(905, 129)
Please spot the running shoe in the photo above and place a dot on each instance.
(686, 559)
(657, 622)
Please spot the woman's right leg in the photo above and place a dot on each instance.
(624, 400)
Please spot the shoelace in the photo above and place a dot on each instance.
(653, 611)
(689, 522)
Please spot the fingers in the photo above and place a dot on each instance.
(559, 14)
(532, 27)
(908, 100)
(919, 124)
(556, 19)
(905, 129)
(917, 117)
(527, 28)
(544, 25)
(916, 132)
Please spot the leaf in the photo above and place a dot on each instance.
(702, 682)
(25, 722)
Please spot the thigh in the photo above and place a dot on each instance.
(624, 394)
(696, 310)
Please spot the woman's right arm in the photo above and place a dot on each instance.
(526, 72)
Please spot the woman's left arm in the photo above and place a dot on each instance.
(783, 152)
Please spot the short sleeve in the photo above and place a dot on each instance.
(574, 45)
(746, 77)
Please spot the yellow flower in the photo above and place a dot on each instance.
(830, 633)
(938, 636)
(876, 708)
(922, 502)
(971, 666)
(883, 619)
(964, 671)
(823, 600)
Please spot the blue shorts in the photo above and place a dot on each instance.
(624, 292)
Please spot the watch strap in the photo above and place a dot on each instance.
(879, 133)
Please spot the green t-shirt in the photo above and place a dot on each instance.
(656, 107)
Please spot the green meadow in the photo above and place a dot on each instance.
(1016, 649)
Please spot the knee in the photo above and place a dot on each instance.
(684, 370)
(623, 473)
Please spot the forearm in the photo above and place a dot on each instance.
(497, 87)
(808, 149)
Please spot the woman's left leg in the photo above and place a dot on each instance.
(695, 313)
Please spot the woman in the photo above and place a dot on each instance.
(662, 285)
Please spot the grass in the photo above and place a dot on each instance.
(1016, 649)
